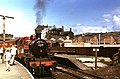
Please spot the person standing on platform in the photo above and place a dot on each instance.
(1, 52)
(7, 59)
(13, 52)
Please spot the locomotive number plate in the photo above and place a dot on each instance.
(40, 45)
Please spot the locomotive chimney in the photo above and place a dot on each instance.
(38, 32)
(39, 29)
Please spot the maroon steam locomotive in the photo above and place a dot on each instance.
(34, 54)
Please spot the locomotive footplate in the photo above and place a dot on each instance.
(34, 64)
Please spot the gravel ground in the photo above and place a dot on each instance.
(109, 72)
(60, 75)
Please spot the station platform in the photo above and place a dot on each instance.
(17, 71)
(85, 62)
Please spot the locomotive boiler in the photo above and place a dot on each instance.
(37, 59)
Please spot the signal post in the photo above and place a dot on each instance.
(4, 17)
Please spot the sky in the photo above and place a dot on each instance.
(82, 16)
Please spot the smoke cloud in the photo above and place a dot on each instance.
(40, 9)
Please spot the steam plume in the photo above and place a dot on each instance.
(39, 8)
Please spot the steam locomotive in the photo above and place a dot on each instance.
(34, 54)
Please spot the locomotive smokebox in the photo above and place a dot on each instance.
(39, 29)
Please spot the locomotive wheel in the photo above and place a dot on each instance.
(31, 70)
(35, 72)
(47, 69)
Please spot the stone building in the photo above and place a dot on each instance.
(57, 35)
(7, 37)
(111, 38)
(8, 40)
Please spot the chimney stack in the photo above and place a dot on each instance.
(70, 29)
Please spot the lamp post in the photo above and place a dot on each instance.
(96, 50)
(4, 17)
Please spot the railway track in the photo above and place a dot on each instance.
(65, 72)
(66, 66)
(78, 74)
(59, 74)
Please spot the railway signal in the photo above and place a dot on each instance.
(4, 17)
